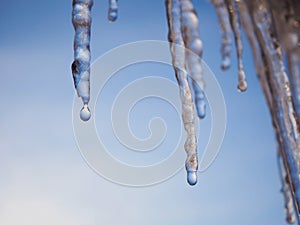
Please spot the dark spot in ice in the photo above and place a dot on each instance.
(75, 70)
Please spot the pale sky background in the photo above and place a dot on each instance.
(44, 180)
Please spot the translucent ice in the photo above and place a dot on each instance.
(193, 43)
(235, 24)
(81, 19)
(272, 28)
(85, 113)
(178, 56)
(224, 22)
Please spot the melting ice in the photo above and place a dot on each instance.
(81, 19)
(272, 28)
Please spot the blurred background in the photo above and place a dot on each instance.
(43, 178)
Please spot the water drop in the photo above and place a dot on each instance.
(242, 86)
(112, 16)
(113, 10)
(85, 113)
(192, 177)
(225, 63)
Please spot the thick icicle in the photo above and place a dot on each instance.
(283, 111)
(192, 41)
(234, 21)
(81, 19)
(288, 31)
(113, 10)
(260, 70)
(178, 60)
(224, 22)
(264, 70)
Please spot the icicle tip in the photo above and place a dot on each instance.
(85, 113)
(225, 64)
(192, 177)
(242, 86)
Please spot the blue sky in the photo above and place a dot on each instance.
(44, 180)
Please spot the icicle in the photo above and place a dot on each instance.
(283, 111)
(234, 21)
(269, 67)
(113, 10)
(81, 19)
(224, 22)
(287, 29)
(178, 58)
(289, 207)
(293, 66)
(190, 35)
(247, 25)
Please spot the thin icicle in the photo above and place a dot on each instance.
(224, 22)
(178, 60)
(113, 10)
(234, 21)
(192, 41)
(81, 19)
(247, 25)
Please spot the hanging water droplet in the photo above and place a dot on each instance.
(112, 16)
(242, 86)
(225, 63)
(268, 31)
(192, 177)
(85, 113)
(113, 10)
